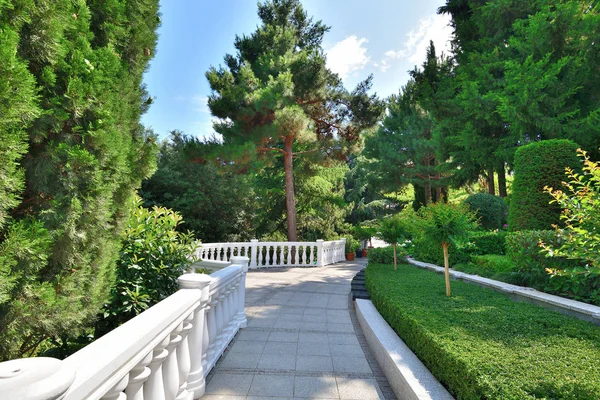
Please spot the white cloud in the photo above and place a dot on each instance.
(435, 27)
(347, 56)
(200, 104)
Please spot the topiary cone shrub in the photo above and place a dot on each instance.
(538, 165)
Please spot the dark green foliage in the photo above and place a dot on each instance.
(351, 244)
(152, 257)
(482, 345)
(492, 242)
(211, 200)
(276, 97)
(497, 267)
(537, 165)
(491, 211)
(476, 243)
(385, 255)
(87, 154)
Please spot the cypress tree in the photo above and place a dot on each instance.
(84, 155)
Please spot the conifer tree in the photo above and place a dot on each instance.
(276, 94)
(86, 154)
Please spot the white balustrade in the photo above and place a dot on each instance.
(274, 254)
(165, 353)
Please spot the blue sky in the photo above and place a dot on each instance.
(385, 38)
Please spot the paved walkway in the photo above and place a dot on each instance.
(302, 341)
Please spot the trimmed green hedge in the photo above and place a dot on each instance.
(490, 210)
(482, 345)
(480, 243)
(537, 165)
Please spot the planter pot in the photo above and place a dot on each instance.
(359, 253)
(365, 252)
(350, 256)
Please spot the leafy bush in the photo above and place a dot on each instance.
(351, 244)
(493, 266)
(152, 257)
(525, 252)
(488, 242)
(490, 210)
(482, 345)
(538, 165)
(385, 255)
(580, 237)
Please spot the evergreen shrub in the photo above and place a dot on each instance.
(385, 255)
(538, 165)
(154, 254)
(490, 210)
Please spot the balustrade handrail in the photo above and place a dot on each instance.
(276, 254)
(166, 352)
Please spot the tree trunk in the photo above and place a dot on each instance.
(490, 181)
(446, 268)
(501, 180)
(427, 191)
(290, 201)
(394, 245)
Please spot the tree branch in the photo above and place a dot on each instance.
(271, 149)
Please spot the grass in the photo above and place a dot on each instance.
(482, 345)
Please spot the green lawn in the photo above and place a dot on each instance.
(482, 345)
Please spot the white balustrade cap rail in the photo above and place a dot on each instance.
(163, 353)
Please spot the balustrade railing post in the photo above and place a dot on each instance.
(198, 337)
(35, 378)
(241, 315)
(154, 388)
(184, 359)
(253, 256)
(320, 253)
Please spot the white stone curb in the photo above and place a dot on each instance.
(570, 307)
(406, 374)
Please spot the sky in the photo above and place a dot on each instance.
(385, 38)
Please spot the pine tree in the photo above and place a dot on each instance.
(276, 94)
(86, 154)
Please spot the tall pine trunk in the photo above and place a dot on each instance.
(290, 201)
(501, 180)
(490, 181)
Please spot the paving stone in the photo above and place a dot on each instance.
(245, 347)
(357, 365)
(323, 387)
(315, 318)
(240, 361)
(283, 337)
(272, 385)
(314, 363)
(313, 349)
(349, 350)
(347, 328)
(277, 361)
(280, 348)
(229, 384)
(312, 337)
(342, 338)
(357, 389)
(254, 336)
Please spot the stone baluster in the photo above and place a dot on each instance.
(211, 323)
(234, 300)
(320, 253)
(198, 337)
(137, 376)
(281, 255)
(116, 392)
(170, 367)
(260, 255)
(154, 388)
(184, 359)
(304, 255)
(241, 315)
